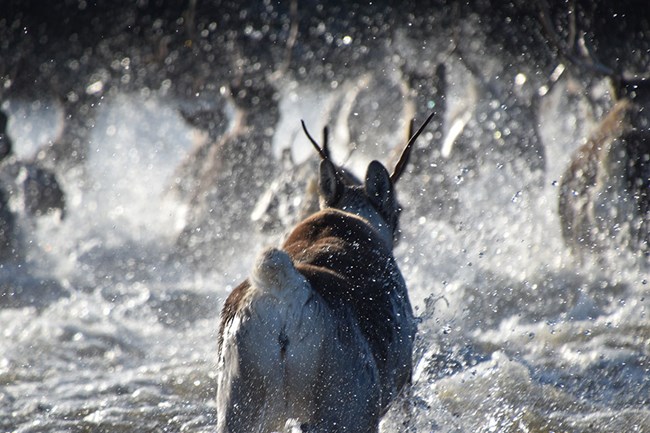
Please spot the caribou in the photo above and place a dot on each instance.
(320, 335)
(603, 201)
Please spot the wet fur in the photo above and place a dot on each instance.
(324, 333)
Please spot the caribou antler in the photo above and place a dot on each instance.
(576, 52)
(404, 157)
(322, 151)
(574, 49)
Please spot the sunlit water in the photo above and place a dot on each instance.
(101, 331)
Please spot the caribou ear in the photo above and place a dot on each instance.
(379, 187)
(331, 185)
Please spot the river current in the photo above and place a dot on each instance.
(104, 326)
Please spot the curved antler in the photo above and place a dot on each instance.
(322, 151)
(404, 157)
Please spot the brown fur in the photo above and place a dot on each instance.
(350, 266)
(604, 188)
(339, 253)
(233, 303)
(325, 320)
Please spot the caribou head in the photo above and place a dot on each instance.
(375, 198)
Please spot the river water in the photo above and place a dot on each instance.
(103, 327)
(102, 331)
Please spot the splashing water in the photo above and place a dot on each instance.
(105, 328)
(112, 335)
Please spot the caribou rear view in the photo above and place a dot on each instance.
(321, 333)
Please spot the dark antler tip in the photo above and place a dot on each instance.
(320, 151)
(403, 160)
(326, 133)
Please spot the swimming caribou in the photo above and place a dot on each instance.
(321, 333)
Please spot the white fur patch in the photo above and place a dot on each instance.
(274, 273)
(282, 336)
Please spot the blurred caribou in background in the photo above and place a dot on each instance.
(33, 189)
(604, 199)
(604, 195)
(478, 64)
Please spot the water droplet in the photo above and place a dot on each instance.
(520, 79)
(94, 88)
